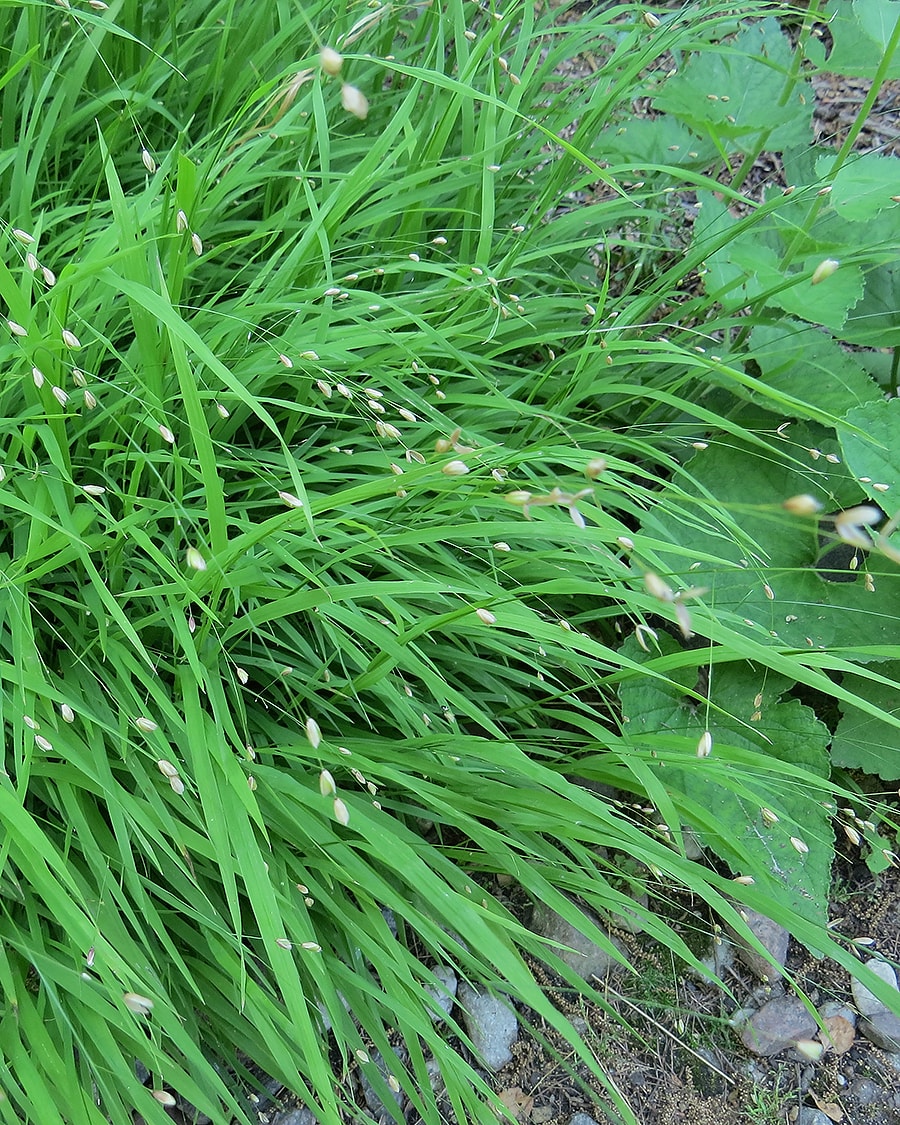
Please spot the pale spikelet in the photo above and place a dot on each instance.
(455, 468)
(98, 5)
(194, 559)
(290, 500)
(196, 243)
(849, 524)
(852, 835)
(744, 880)
(177, 786)
(641, 631)
(354, 101)
(824, 269)
(810, 1049)
(284, 943)
(163, 1096)
(881, 487)
(38, 376)
(324, 387)
(769, 592)
(78, 377)
(251, 783)
(68, 715)
(222, 410)
(344, 391)
(70, 339)
(486, 616)
(145, 724)
(166, 768)
(49, 277)
(501, 546)
(625, 542)
(90, 400)
(406, 415)
(181, 222)
(799, 846)
(16, 328)
(414, 257)
(657, 588)
(331, 61)
(31, 262)
(327, 786)
(333, 291)
(93, 489)
(30, 723)
(802, 505)
(312, 946)
(148, 161)
(140, 1005)
(313, 734)
(439, 241)
(393, 1083)
(23, 236)
(705, 745)
(60, 395)
(650, 20)
(768, 816)
(595, 468)
(242, 674)
(43, 743)
(341, 812)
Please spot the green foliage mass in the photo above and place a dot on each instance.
(336, 450)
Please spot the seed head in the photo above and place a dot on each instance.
(650, 20)
(222, 410)
(16, 328)
(181, 222)
(38, 377)
(291, 500)
(60, 395)
(486, 616)
(283, 943)
(341, 812)
(31, 261)
(93, 489)
(823, 270)
(43, 743)
(90, 400)
(194, 559)
(313, 733)
(23, 236)
(144, 724)
(657, 588)
(768, 816)
(162, 1096)
(196, 243)
(70, 339)
(166, 768)
(78, 377)
(331, 61)
(327, 786)
(802, 505)
(704, 746)
(148, 161)
(177, 786)
(49, 276)
(354, 101)
(140, 1005)
(799, 846)
(455, 468)
(68, 715)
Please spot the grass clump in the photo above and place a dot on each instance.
(341, 431)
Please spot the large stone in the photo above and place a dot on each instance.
(491, 1023)
(882, 1029)
(867, 1002)
(810, 1116)
(443, 993)
(301, 1116)
(581, 954)
(771, 936)
(777, 1026)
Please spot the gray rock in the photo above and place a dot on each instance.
(833, 1008)
(581, 1119)
(777, 1026)
(863, 1091)
(491, 1023)
(771, 936)
(882, 1029)
(301, 1116)
(443, 993)
(627, 919)
(581, 954)
(810, 1116)
(892, 1058)
(866, 1001)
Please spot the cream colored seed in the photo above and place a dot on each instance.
(165, 433)
(196, 243)
(486, 616)
(16, 328)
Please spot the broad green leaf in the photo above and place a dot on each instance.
(863, 185)
(863, 741)
(809, 365)
(875, 320)
(815, 602)
(873, 455)
(861, 31)
(827, 303)
(733, 93)
(744, 712)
